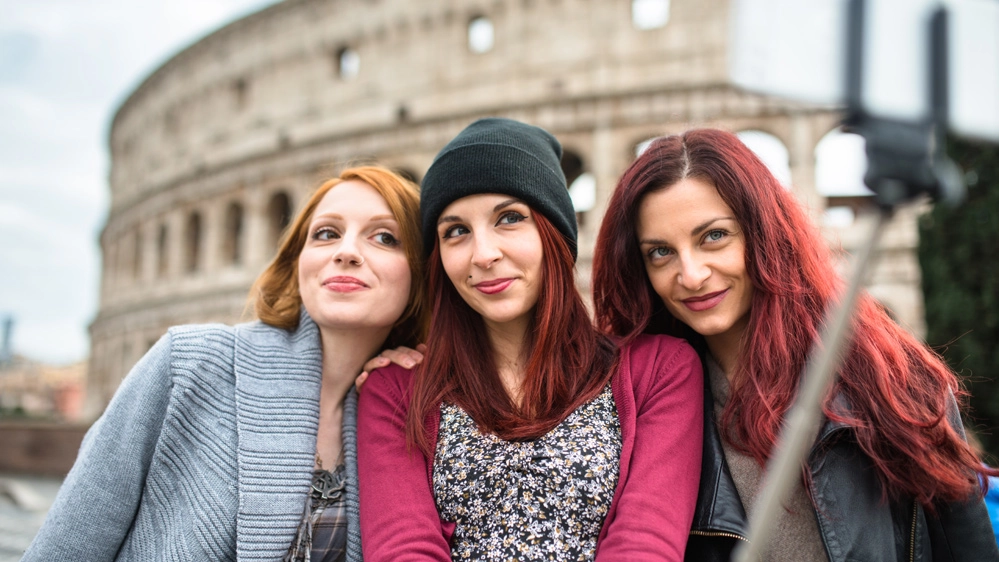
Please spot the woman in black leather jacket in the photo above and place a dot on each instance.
(701, 241)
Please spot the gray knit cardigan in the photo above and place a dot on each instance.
(205, 453)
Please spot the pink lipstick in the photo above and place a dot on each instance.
(702, 303)
(344, 284)
(493, 286)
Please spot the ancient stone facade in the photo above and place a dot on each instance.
(217, 148)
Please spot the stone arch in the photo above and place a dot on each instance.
(240, 93)
(582, 184)
(771, 150)
(840, 164)
(162, 249)
(192, 242)
(232, 241)
(481, 34)
(347, 62)
(572, 165)
(649, 14)
(278, 216)
(838, 148)
(640, 146)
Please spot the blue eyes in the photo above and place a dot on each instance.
(507, 218)
(511, 217)
(661, 252)
(454, 231)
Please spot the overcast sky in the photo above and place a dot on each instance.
(65, 66)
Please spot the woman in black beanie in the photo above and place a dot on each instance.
(524, 434)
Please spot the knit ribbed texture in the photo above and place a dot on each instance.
(349, 436)
(205, 453)
(499, 156)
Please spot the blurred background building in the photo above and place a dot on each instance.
(213, 153)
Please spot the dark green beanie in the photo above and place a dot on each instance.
(499, 156)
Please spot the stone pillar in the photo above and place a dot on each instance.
(212, 235)
(605, 172)
(150, 231)
(801, 156)
(175, 244)
(256, 246)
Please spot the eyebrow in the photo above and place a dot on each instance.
(456, 218)
(694, 232)
(506, 203)
(337, 216)
(704, 225)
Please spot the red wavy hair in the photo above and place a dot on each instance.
(569, 362)
(898, 389)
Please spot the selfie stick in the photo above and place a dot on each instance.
(905, 159)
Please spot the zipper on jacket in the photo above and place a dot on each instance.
(718, 534)
(912, 536)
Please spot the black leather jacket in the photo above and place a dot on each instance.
(854, 523)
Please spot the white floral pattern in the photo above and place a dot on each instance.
(534, 500)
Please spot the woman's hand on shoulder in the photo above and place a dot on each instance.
(403, 356)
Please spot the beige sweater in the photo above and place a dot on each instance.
(796, 535)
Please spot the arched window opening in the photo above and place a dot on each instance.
(582, 186)
(771, 151)
(583, 192)
(481, 35)
(572, 165)
(192, 257)
(162, 243)
(232, 244)
(279, 215)
(649, 14)
(240, 91)
(840, 165)
(641, 147)
(348, 63)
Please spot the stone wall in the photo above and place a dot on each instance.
(41, 449)
(213, 151)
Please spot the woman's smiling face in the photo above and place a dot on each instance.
(352, 271)
(695, 256)
(491, 250)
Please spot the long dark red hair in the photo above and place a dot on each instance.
(898, 390)
(569, 361)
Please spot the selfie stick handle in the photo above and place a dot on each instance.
(802, 422)
(905, 160)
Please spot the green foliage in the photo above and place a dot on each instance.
(959, 257)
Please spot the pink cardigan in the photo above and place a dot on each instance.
(658, 392)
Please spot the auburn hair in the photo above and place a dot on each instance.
(569, 361)
(275, 294)
(897, 390)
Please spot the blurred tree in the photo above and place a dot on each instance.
(959, 257)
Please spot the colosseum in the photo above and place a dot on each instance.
(213, 152)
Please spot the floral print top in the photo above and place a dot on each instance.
(533, 500)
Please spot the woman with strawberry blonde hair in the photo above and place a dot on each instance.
(700, 241)
(239, 442)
